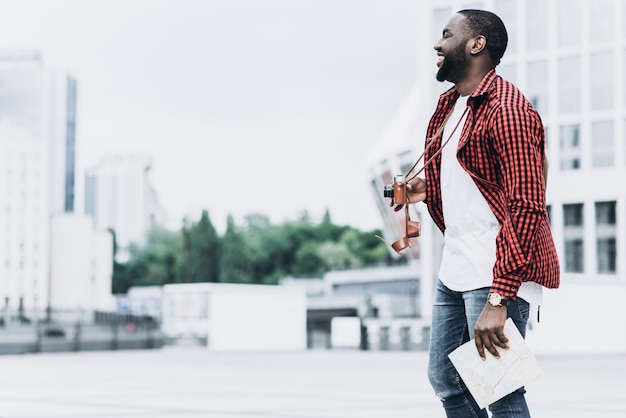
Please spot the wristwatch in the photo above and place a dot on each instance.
(495, 299)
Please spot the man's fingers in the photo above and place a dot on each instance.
(501, 341)
(490, 342)
(489, 345)
(479, 346)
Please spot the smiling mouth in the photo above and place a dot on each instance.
(439, 60)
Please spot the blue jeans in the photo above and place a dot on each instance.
(454, 316)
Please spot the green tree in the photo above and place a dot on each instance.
(337, 256)
(369, 249)
(257, 222)
(184, 253)
(126, 276)
(268, 249)
(204, 251)
(235, 264)
(260, 252)
(122, 278)
(152, 263)
(159, 254)
(308, 262)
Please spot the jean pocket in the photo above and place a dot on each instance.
(523, 308)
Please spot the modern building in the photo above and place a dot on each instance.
(37, 140)
(119, 196)
(569, 58)
(37, 185)
(42, 101)
(62, 122)
(24, 220)
(385, 300)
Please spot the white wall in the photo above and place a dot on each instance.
(580, 317)
(237, 317)
(345, 332)
(124, 198)
(23, 218)
(102, 268)
(256, 318)
(80, 265)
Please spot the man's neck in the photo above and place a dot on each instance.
(468, 84)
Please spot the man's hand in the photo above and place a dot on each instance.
(415, 191)
(489, 330)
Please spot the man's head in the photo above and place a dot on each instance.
(470, 34)
(487, 24)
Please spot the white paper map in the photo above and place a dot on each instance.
(493, 378)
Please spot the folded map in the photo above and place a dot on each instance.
(491, 379)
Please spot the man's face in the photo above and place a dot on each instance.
(451, 51)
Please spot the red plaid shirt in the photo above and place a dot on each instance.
(502, 147)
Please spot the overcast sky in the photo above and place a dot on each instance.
(265, 106)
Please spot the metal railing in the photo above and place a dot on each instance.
(66, 330)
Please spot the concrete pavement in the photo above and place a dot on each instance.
(190, 382)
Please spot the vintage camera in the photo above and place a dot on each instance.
(396, 191)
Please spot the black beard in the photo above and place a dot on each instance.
(442, 73)
(452, 66)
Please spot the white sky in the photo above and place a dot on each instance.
(265, 106)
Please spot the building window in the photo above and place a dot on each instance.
(573, 215)
(574, 253)
(536, 25)
(570, 147)
(602, 83)
(606, 233)
(537, 90)
(606, 255)
(549, 211)
(573, 237)
(568, 22)
(602, 153)
(601, 20)
(569, 84)
(605, 213)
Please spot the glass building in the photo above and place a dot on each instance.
(43, 102)
(37, 172)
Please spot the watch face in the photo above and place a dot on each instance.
(495, 299)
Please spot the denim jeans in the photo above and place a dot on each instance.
(454, 316)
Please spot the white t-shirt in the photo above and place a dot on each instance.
(469, 251)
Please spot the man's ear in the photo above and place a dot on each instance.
(477, 44)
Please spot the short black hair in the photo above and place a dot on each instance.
(489, 25)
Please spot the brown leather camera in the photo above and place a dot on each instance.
(397, 192)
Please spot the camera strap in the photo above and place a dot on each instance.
(429, 142)
(412, 228)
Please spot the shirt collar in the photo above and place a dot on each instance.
(481, 89)
(485, 84)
